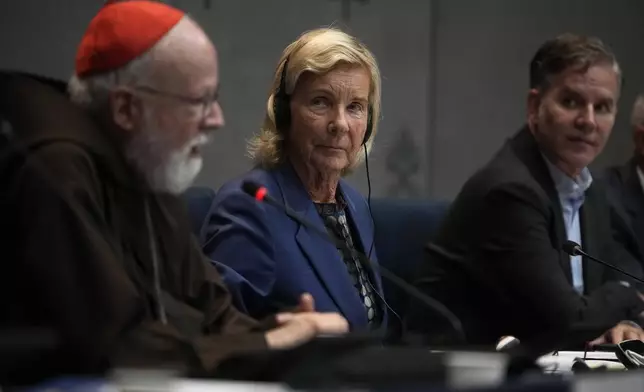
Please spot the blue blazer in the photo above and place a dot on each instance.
(267, 260)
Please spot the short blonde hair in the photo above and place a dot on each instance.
(318, 51)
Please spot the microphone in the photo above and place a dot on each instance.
(507, 343)
(260, 194)
(574, 249)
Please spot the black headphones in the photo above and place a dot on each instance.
(282, 108)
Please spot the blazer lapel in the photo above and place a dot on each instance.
(321, 254)
(528, 151)
(591, 230)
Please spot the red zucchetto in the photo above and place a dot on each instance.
(122, 31)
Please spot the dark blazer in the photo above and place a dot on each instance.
(497, 261)
(268, 260)
(627, 192)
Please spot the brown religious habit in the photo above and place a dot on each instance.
(94, 255)
(89, 251)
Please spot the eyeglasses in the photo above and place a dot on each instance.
(203, 104)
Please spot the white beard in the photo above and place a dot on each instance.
(165, 169)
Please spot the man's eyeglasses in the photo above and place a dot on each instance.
(203, 104)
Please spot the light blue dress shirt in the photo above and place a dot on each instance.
(571, 196)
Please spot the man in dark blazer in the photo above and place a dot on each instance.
(497, 261)
(627, 181)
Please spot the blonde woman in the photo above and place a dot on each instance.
(320, 123)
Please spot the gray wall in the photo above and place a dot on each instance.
(454, 71)
(399, 37)
(482, 53)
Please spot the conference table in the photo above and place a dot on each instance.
(557, 376)
(625, 382)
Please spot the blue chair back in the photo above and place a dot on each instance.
(403, 229)
(198, 200)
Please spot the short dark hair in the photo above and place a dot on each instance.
(569, 51)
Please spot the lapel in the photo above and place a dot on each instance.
(526, 148)
(322, 255)
(362, 221)
(592, 221)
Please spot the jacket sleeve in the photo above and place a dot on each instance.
(229, 334)
(517, 248)
(625, 251)
(619, 242)
(239, 242)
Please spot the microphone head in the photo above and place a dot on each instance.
(507, 342)
(572, 248)
(255, 190)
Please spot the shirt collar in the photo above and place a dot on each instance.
(567, 186)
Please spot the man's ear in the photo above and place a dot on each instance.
(125, 109)
(533, 103)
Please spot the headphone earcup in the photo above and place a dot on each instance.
(282, 112)
(369, 129)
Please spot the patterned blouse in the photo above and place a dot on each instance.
(336, 222)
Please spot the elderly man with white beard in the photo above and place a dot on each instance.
(100, 247)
